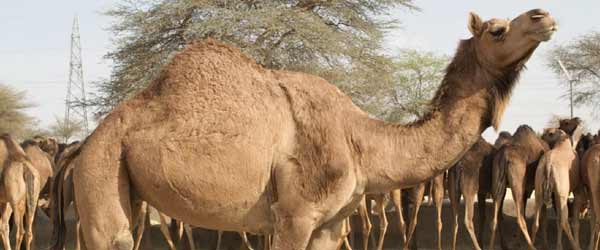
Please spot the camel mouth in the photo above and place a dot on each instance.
(546, 34)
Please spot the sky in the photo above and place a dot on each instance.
(34, 49)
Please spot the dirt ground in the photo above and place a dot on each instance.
(425, 235)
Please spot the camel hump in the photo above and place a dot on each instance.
(15, 152)
(205, 64)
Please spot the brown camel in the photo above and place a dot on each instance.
(558, 175)
(504, 138)
(416, 196)
(63, 194)
(289, 152)
(514, 164)
(590, 173)
(573, 129)
(49, 145)
(142, 215)
(471, 176)
(585, 143)
(20, 190)
(43, 163)
(381, 202)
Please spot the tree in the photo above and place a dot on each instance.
(13, 118)
(339, 40)
(417, 77)
(403, 89)
(66, 130)
(581, 57)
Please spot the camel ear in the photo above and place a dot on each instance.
(475, 24)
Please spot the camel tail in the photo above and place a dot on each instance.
(57, 202)
(501, 164)
(32, 191)
(548, 185)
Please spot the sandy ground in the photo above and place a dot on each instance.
(426, 235)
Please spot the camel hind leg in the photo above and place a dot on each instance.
(469, 194)
(6, 213)
(396, 196)
(417, 194)
(579, 199)
(190, 236)
(102, 190)
(164, 228)
(32, 182)
(18, 213)
(141, 211)
(453, 193)
(516, 179)
(245, 241)
(366, 222)
(438, 197)
(382, 202)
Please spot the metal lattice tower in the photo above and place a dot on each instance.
(76, 86)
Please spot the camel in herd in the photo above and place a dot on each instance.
(514, 164)
(62, 195)
(381, 201)
(290, 154)
(590, 173)
(558, 175)
(43, 162)
(415, 196)
(140, 223)
(19, 194)
(471, 176)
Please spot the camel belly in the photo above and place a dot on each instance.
(217, 186)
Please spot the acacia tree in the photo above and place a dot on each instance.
(13, 118)
(581, 57)
(339, 40)
(415, 80)
(65, 130)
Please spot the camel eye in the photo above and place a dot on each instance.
(497, 32)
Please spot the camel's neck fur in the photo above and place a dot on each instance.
(471, 98)
(563, 143)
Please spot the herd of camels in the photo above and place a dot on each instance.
(218, 142)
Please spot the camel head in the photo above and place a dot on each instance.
(585, 143)
(503, 138)
(569, 125)
(47, 144)
(596, 139)
(554, 135)
(503, 44)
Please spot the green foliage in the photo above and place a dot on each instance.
(416, 79)
(13, 118)
(66, 130)
(581, 57)
(339, 40)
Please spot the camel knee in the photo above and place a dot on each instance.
(383, 224)
(123, 241)
(367, 228)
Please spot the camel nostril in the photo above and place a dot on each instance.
(537, 17)
(538, 14)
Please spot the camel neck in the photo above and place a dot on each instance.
(395, 156)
